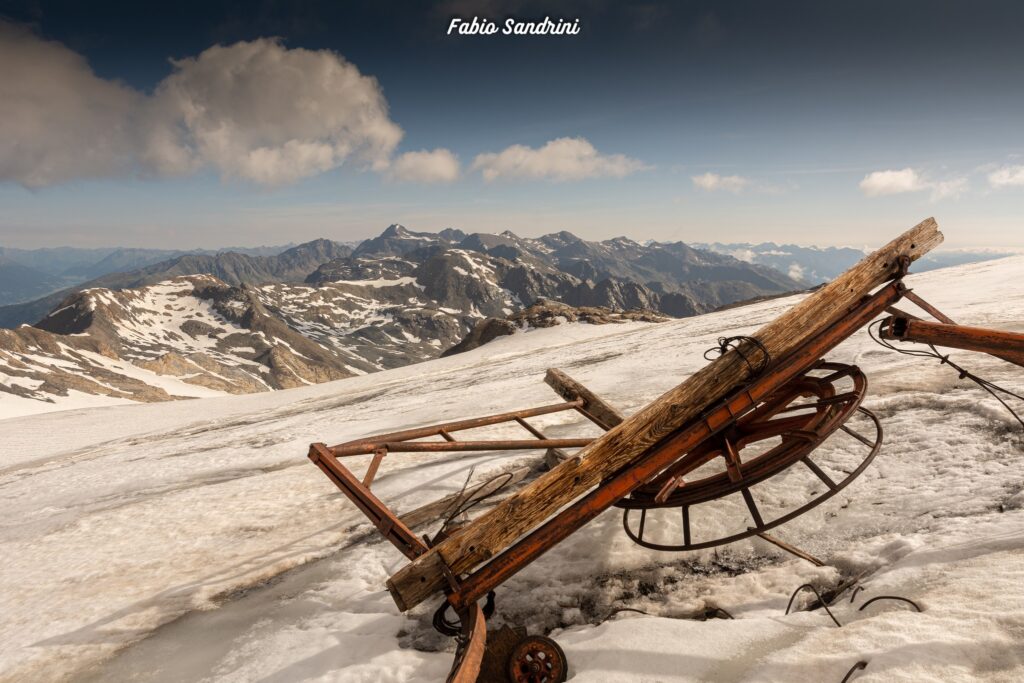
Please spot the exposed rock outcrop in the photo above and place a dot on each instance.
(544, 313)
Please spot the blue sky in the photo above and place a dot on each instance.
(825, 123)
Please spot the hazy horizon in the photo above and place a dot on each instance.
(946, 246)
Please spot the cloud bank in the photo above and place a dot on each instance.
(712, 182)
(255, 111)
(562, 159)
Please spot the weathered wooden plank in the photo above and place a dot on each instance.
(1006, 345)
(500, 527)
(593, 406)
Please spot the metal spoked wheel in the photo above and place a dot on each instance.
(787, 427)
(537, 659)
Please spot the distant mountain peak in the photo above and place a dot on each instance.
(396, 230)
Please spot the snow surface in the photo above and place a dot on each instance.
(193, 540)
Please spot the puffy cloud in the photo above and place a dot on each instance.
(1007, 176)
(258, 111)
(880, 183)
(560, 159)
(437, 166)
(253, 110)
(712, 182)
(58, 120)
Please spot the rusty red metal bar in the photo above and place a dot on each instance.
(369, 444)
(483, 445)
(382, 517)
(470, 653)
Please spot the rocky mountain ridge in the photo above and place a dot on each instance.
(229, 266)
(322, 311)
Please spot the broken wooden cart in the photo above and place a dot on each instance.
(770, 394)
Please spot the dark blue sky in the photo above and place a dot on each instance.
(783, 109)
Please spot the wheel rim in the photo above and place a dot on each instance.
(799, 425)
(537, 660)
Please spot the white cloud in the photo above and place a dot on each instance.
(712, 182)
(258, 111)
(253, 110)
(948, 188)
(560, 160)
(1007, 176)
(881, 183)
(58, 120)
(436, 166)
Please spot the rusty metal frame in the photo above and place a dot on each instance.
(473, 634)
(659, 471)
(505, 565)
(406, 441)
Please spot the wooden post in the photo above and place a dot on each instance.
(1006, 345)
(599, 412)
(498, 528)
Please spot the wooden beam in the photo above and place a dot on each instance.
(1006, 345)
(595, 408)
(498, 528)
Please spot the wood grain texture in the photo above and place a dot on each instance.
(1006, 345)
(594, 407)
(497, 529)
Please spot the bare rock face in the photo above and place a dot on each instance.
(544, 313)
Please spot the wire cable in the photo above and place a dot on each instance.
(727, 343)
(988, 386)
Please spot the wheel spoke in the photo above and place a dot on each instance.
(822, 403)
(732, 461)
(811, 465)
(754, 513)
(767, 429)
(860, 437)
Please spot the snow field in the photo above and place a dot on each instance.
(194, 540)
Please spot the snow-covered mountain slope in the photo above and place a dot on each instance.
(198, 336)
(187, 337)
(153, 542)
